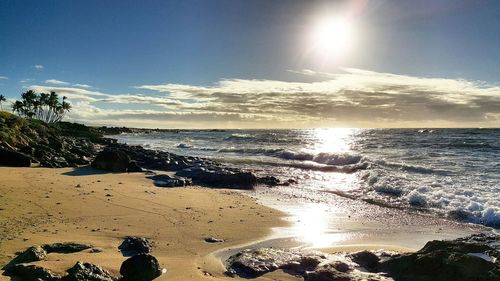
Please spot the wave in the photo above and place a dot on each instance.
(240, 137)
(307, 165)
(411, 168)
(332, 159)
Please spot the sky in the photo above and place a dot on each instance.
(259, 63)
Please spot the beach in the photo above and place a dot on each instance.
(41, 205)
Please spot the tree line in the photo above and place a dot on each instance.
(42, 106)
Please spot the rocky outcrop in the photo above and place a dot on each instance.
(24, 272)
(220, 177)
(133, 245)
(472, 258)
(254, 263)
(88, 272)
(112, 160)
(34, 253)
(141, 267)
(12, 158)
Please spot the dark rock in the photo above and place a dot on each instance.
(461, 259)
(168, 181)
(133, 167)
(88, 272)
(220, 177)
(269, 181)
(112, 160)
(65, 247)
(141, 267)
(213, 240)
(133, 245)
(327, 274)
(30, 273)
(366, 259)
(253, 263)
(34, 253)
(14, 158)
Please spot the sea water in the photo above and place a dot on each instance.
(453, 173)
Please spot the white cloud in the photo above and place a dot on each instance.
(4, 77)
(38, 67)
(352, 97)
(56, 82)
(85, 86)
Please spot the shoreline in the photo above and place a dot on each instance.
(90, 206)
(54, 209)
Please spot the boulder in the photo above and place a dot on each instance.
(65, 247)
(365, 259)
(112, 160)
(88, 272)
(31, 273)
(254, 263)
(142, 267)
(461, 259)
(168, 181)
(133, 245)
(34, 253)
(133, 167)
(14, 158)
(220, 177)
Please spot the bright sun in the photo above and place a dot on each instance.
(332, 36)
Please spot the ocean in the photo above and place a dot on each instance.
(451, 173)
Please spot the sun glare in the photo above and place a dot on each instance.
(332, 36)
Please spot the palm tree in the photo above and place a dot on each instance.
(45, 107)
(2, 99)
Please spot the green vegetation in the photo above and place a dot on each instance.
(41, 106)
(20, 132)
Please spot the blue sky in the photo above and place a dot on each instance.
(125, 50)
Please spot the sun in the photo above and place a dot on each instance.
(332, 36)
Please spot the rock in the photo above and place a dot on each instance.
(133, 245)
(219, 177)
(213, 240)
(65, 247)
(469, 258)
(168, 181)
(95, 250)
(254, 263)
(112, 160)
(133, 167)
(142, 267)
(88, 272)
(327, 274)
(12, 158)
(269, 181)
(34, 253)
(30, 273)
(366, 259)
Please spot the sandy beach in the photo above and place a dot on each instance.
(40, 205)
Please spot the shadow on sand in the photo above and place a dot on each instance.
(85, 171)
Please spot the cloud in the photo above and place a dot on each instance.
(38, 67)
(4, 77)
(56, 82)
(351, 98)
(82, 86)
